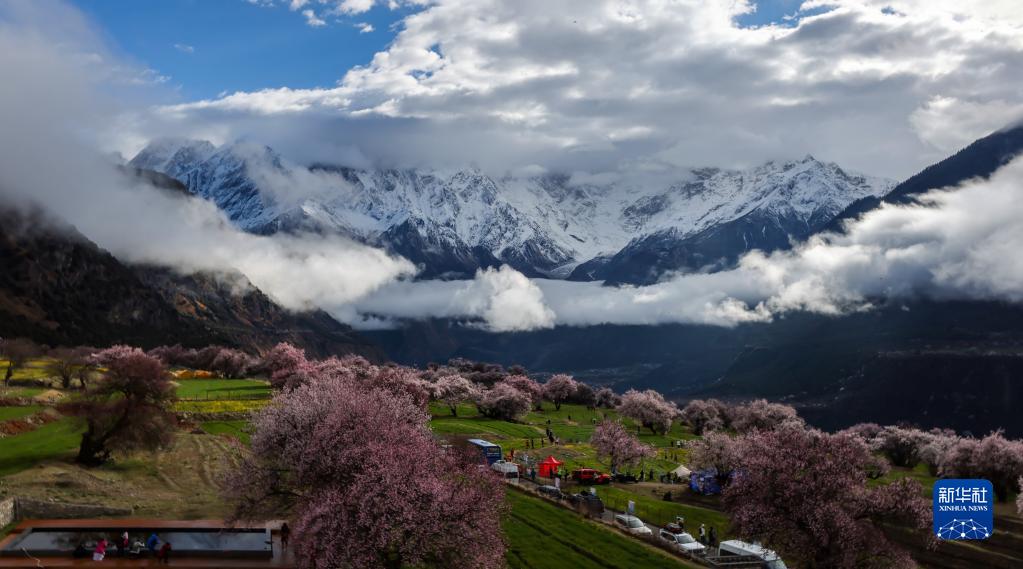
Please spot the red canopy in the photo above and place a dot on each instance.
(549, 467)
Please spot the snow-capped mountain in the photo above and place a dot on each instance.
(452, 222)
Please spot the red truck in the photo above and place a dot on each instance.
(590, 476)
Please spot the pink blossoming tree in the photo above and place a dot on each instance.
(453, 390)
(717, 451)
(760, 415)
(1019, 499)
(703, 416)
(364, 482)
(229, 362)
(130, 409)
(502, 401)
(560, 389)
(286, 365)
(606, 398)
(805, 494)
(531, 388)
(994, 458)
(613, 441)
(866, 432)
(936, 448)
(901, 445)
(649, 408)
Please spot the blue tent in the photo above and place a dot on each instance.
(705, 482)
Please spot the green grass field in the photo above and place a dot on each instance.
(34, 369)
(223, 389)
(919, 473)
(236, 429)
(573, 424)
(659, 512)
(55, 440)
(8, 413)
(20, 391)
(541, 535)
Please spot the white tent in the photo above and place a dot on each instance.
(682, 471)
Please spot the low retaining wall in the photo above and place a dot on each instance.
(8, 511)
(17, 509)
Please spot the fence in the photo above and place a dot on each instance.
(227, 395)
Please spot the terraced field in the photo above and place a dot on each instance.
(542, 535)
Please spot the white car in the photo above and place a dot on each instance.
(683, 541)
(632, 524)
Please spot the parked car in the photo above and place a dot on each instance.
(590, 476)
(675, 527)
(506, 469)
(551, 491)
(735, 549)
(632, 524)
(587, 503)
(682, 541)
(625, 478)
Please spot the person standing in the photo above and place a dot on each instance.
(703, 534)
(713, 536)
(152, 542)
(101, 550)
(165, 553)
(285, 536)
(122, 544)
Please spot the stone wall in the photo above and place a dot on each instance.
(8, 511)
(23, 509)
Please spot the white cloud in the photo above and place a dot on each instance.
(604, 85)
(502, 300)
(184, 48)
(947, 123)
(312, 19)
(364, 27)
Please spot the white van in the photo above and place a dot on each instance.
(508, 470)
(736, 547)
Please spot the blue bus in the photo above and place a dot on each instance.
(490, 451)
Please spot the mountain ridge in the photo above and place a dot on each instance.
(453, 222)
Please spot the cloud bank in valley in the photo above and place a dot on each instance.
(957, 244)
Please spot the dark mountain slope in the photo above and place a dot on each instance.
(951, 364)
(230, 306)
(57, 287)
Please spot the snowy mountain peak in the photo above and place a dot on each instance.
(454, 221)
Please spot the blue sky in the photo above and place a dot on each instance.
(207, 47)
(237, 45)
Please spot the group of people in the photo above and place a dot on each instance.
(161, 550)
(708, 537)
